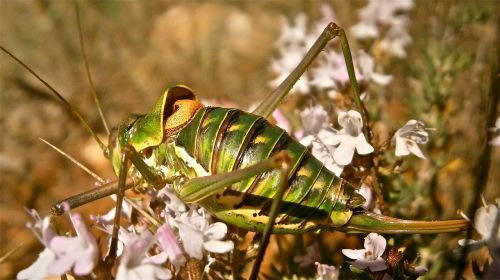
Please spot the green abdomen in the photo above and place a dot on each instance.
(222, 140)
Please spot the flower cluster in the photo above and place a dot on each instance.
(62, 253)
(335, 148)
(371, 259)
(388, 15)
(329, 73)
(181, 227)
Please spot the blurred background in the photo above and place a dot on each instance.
(223, 51)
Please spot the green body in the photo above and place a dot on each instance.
(212, 160)
(220, 140)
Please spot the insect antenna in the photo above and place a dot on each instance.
(103, 147)
(72, 159)
(87, 69)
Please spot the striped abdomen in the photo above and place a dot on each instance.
(222, 140)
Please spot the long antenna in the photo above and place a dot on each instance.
(72, 159)
(87, 68)
(103, 147)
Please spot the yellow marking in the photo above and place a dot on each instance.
(234, 127)
(304, 172)
(248, 214)
(260, 139)
(230, 200)
(208, 121)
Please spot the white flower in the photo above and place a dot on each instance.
(321, 136)
(366, 192)
(327, 272)
(487, 224)
(330, 71)
(365, 29)
(350, 138)
(407, 138)
(197, 235)
(312, 256)
(388, 13)
(293, 34)
(292, 45)
(397, 38)
(290, 58)
(323, 149)
(334, 148)
(370, 257)
(134, 263)
(367, 66)
(172, 202)
(496, 141)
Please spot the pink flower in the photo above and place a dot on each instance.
(327, 272)
(62, 253)
(312, 256)
(169, 244)
(40, 268)
(79, 253)
(135, 264)
(281, 121)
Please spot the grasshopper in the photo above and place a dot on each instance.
(241, 168)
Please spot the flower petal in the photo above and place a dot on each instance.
(376, 244)
(143, 271)
(327, 272)
(163, 273)
(485, 219)
(377, 265)
(192, 240)
(354, 254)
(216, 231)
(85, 264)
(329, 137)
(362, 146)
(344, 153)
(307, 140)
(62, 244)
(40, 268)
(217, 246)
(414, 149)
(401, 148)
(381, 79)
(168, 243)
(61, 265)
(157, 259)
